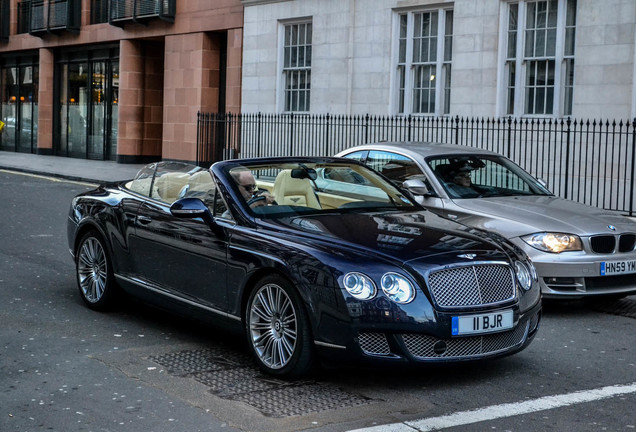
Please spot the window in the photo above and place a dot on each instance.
(297, 66)
(539, 57)
(99, 11)
(24, 16)
(424, 55)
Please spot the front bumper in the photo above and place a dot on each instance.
(578, 274)
(378, 346)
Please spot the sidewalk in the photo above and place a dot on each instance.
(68, 168)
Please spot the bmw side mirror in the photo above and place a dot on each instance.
(189, 208)
(416, 187)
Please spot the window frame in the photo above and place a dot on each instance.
(563, 89)
(443, 67)
(281, 93)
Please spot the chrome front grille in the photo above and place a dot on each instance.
(428, 347)
(475, 285)
(374, 343)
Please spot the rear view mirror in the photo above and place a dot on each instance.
(304, 173)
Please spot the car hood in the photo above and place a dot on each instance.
(400, 236)
(521, 215)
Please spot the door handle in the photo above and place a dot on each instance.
(144, 220)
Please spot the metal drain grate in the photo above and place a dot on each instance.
(300, 399)
(624, 307)
(232, 375)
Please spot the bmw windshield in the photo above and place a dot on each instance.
(470, 176)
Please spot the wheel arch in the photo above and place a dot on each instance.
(250, 285)
(85, 227)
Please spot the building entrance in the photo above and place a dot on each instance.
(87, 116)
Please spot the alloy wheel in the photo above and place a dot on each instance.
(92, 270)
(273, 326)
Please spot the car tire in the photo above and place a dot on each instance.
(277, 328)
(94, 271)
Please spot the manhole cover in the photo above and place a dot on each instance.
(624, 307)
(232, 375)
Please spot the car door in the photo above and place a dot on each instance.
(184, 257)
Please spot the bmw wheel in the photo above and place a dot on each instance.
(94, 273)
(277, 328)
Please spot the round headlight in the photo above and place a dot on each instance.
(358, 285)
(523, 275)
(397, 288)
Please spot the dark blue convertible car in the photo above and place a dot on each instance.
(310, 257)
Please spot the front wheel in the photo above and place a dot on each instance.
(95, 278)
(277, 328)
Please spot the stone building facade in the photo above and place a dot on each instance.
(525, 58)
(117, 79)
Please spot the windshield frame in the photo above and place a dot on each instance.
(398, 199)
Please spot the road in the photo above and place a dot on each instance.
(66, 368)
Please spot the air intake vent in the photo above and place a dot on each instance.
(603, 243)
(626, 243)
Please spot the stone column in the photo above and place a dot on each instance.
(234, 69)
(191, 84)
(131, 102)
(45, 102)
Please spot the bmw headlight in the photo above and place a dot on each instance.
(554, 242)
(397, 288)
(359, 286)
(523, 275)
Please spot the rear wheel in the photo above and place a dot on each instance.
(278, 329)
(95, 278)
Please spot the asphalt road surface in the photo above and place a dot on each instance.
(66, 368)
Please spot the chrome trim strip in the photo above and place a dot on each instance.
(328, 345)
(174, 297)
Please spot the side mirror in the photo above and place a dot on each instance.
(190, 208)
(416, 187)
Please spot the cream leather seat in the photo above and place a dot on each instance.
(292, 191)
(169, 185)
(200, 181)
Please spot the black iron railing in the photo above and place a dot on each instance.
(50, 16)
(122, 11)
(590, 161)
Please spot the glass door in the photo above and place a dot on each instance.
(9, 80)
(77, 105)
(97, 119)
(27, 127)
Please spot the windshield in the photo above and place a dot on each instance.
(285, 189)
(477, 176)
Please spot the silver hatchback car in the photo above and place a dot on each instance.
(578, 250)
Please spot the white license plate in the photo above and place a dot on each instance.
(482, 323)
(618, 267)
